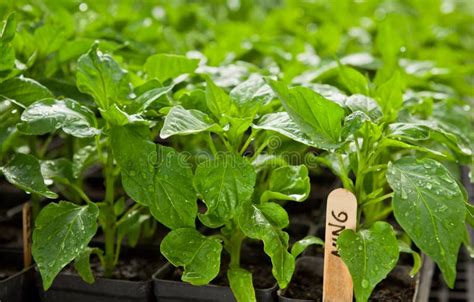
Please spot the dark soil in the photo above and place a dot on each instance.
(398, 287)
(259, 266)
(305, 286)
(128, 268)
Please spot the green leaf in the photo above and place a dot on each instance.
(353, 80)
(470, 214)
(317, 117)
(265, 222)
(48, 115)
(281, 122)
(8, 28)
(365, 104)
(300, 245)
(180, 121)
(370, 255)
(160, 180)
(405, 248)
(83, 158)
(199, 255)
(146, 99)
(241, 283)
(24, 91)
(390, 98)
(57, 169)
(429, 206)
(62, 232)
(101, 77)
(225, 184)
(288, 183)
(168, 66)
(24, 171)
(116, 116)
(248, 96)
(218, 102)
(83, 267)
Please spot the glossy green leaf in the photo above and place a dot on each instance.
(240, 281)
(359, 102)
(218, 102)
(248, 96)
(8, 28)
(62, 232)
(83, 158)
(24, 91)
(265, 222)
(101, 77)
(405, 248)
(390, 98)
(160, 180)
(116, 116)
(168, 66)
(353, 80)
(370, 255)
(180, 121)
(224, 184)
(429, 206)
(148, 98)
(300, 245)
(282, 123)
(288, 183)
(83, 266)
(48, 115)
(317, 117)
(24, 171)
(470, 214)
(57, 169)
(200, 256)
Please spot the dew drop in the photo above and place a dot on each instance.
(365, 283)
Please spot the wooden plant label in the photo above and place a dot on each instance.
(26, 214)
(341, 214)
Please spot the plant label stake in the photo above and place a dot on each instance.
(26, 215)
(341, 214)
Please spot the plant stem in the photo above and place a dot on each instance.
(235, 244)
(247, 142)
(109, 228)
(211, 144)
(377, 200)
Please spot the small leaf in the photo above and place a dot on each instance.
(83, 267)
(359, 102)
(101, 77)
(224, 183)
(8, 28)
(429, 206)
(370, 255)
(199, 255)
(24, 171)
(116, 116)
(241, 283)
(57, 169)
(180, 121)
(218, 102)
(300, 245)
(62, 232)
(146, 99)
(353, 80)
(405, 248)
(48, 115)
(265, 222)
(168, 66)
(288, 183)
(390, 98)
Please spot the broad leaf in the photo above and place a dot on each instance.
(282, 123)
(370, 255)
(317, 117)
(265, 222)
(48, 115)
(24, 171)
(24, 91)
(180, 121)
(200, 256)
(240, 281)
(288, 183)
(62, 232)
(168, 66)
(429, 206)
(248, 96)
(101, 77)
(224, 184)
(155, 176)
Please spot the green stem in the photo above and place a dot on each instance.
(211, 144)
(247, 142)
(260, 149)
(377, 200)
(109, 229)
(235, 244)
